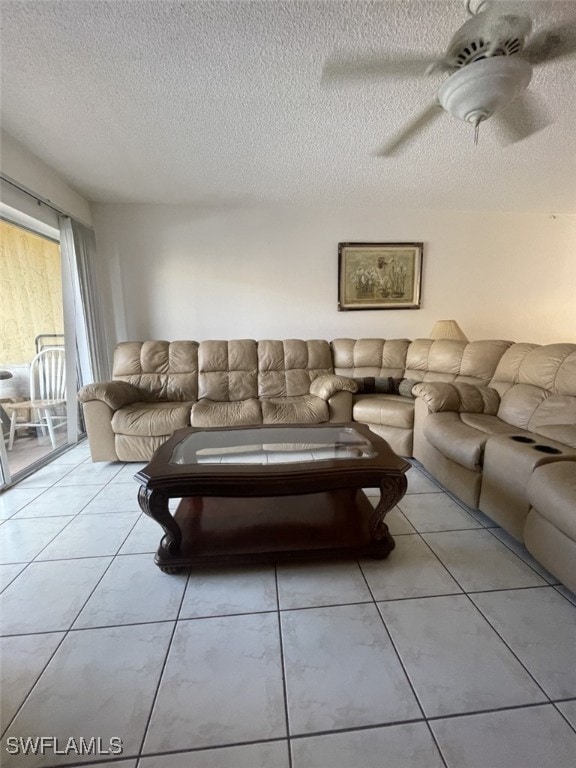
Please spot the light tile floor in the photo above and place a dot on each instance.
(459, 651)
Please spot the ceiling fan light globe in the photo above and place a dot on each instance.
(484, 87)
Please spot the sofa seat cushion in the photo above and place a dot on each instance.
(305, 409)
(211, 413)
(462, 437)
(384, 410)
(151, 419)
(552, 493)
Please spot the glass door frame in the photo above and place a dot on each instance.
(69, 300)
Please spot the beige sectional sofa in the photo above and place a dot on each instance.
(160, 386)
(493, 421)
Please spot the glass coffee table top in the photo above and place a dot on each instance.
(272, 445)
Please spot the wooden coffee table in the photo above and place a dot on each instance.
(271, 492)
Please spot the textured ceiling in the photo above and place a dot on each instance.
(222, 103)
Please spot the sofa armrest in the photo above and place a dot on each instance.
(340, 407)
(115, 394)
(327, 386)
(460, 397)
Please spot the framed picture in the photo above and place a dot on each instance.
(379, 275)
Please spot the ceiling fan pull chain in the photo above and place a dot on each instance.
(476, 133)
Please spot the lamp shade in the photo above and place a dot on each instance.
(447, 329)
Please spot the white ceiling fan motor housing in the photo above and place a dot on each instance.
(479, 89)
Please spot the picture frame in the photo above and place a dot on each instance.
(379, 276)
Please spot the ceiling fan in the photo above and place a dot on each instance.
(489, 63)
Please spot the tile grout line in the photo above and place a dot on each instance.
(5, 587)
(572, 725)
(42, 517)
(477, 591)
(99, 626)
(67, 559)
(375, 604)
(284, 668)
(72, 518)
(35, 683)
(351, 729)
(491, 529)
(439, 559)
(7, 490)
(38, 559)
(34, 559)
(56, 631)
(44, 488)
(464, 592)
(512, 651)
(491, 711)
(467, 594)
(163, 668)
(194, 750)
(249, 613)
(112, 559)
(526, 562)
(65, 631)
(435, 741)
(571, 599)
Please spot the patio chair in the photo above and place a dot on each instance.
(47, 404)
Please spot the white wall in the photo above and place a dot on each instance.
(20, 165)
(189, 273)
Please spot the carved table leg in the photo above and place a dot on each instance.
(392, 489)
(155, 505)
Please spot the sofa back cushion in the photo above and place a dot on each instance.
(537, 387)
(228, 370)
(377, 358)
(470, 362)
(162, 370)
(287, 367)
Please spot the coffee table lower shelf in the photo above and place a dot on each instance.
(220, 530)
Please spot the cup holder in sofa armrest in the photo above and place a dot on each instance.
(547, 449)
(522, 439)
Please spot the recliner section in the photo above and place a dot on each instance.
(550, 530)
(510, 449)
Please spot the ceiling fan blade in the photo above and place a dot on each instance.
(524, 117)
(363, 67)
(550, 44)
(420, 121)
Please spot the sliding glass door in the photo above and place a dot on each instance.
(36, 390)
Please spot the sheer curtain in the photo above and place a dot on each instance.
(78, 247)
